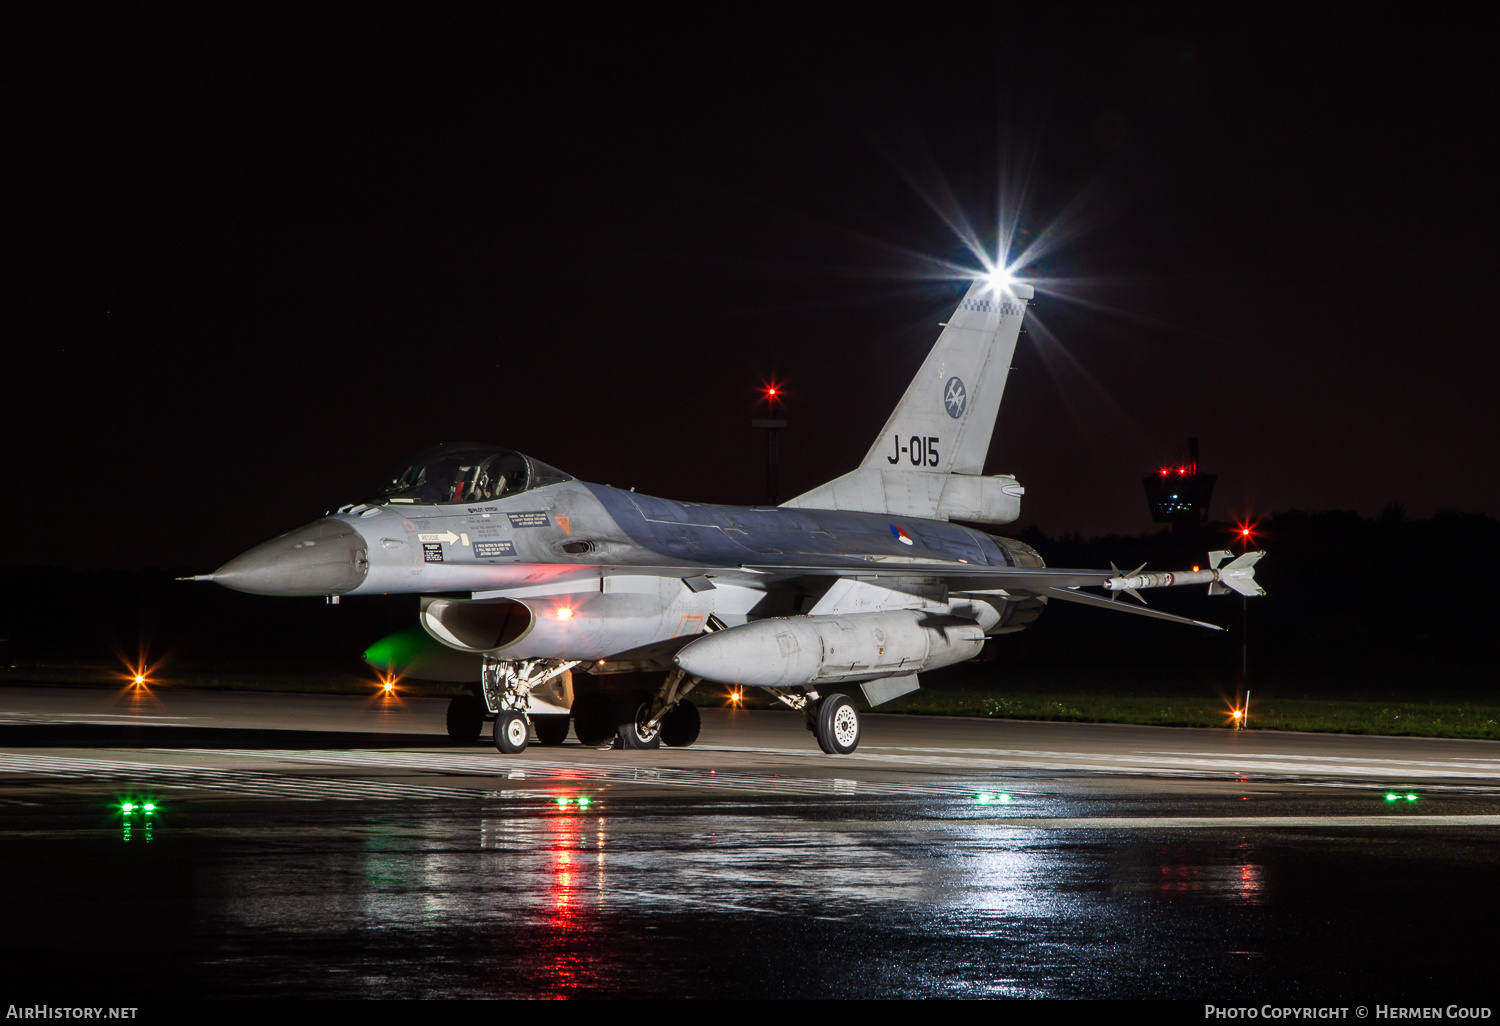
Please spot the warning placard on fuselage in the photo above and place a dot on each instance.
(493, 549)
(432, 552)
(533, 519)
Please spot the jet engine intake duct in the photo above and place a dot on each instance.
(794, 650)
(471, 626)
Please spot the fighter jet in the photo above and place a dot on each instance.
(603, 609)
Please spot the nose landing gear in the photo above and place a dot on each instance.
(505, 686)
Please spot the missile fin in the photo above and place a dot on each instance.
(1245, 561)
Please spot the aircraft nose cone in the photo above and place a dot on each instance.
(324, 558)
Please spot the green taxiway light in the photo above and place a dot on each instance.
(986, 798)
(127, 807)
(1392, 796)
(562, 803)
(584, 802)
(1411, 797)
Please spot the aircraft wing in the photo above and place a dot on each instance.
(1084, 598)
(958, 576)
(1044, 582)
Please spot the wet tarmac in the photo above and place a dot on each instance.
(329, 847)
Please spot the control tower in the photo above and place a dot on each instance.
(1178, 493)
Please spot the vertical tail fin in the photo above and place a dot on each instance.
(944, 422)
(928, 459)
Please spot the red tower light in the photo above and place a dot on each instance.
(1244, 531)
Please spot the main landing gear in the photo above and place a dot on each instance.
(833, 720)
(465, 719)
(639, 720)
(837, 725)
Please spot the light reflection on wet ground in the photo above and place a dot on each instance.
(317, 846)
(647, 896)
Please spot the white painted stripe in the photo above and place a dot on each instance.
(202, 778)
(1239, 822)
(564, 772)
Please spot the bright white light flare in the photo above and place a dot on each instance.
(999, 278)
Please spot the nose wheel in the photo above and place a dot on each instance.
(511, 732)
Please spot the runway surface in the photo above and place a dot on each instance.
(337, 846)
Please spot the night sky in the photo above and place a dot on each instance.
(252, 266)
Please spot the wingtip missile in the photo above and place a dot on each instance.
(1237, 575)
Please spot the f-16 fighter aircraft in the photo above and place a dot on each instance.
(604, 608)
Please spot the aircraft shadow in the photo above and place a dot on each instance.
(84, 735)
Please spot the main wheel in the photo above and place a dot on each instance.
(511, 732)
(593, 719)
(680, 727)
(465, 719)
(838, 725)
(550, 730)
(632, 734)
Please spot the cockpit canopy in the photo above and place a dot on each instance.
(464, 472)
